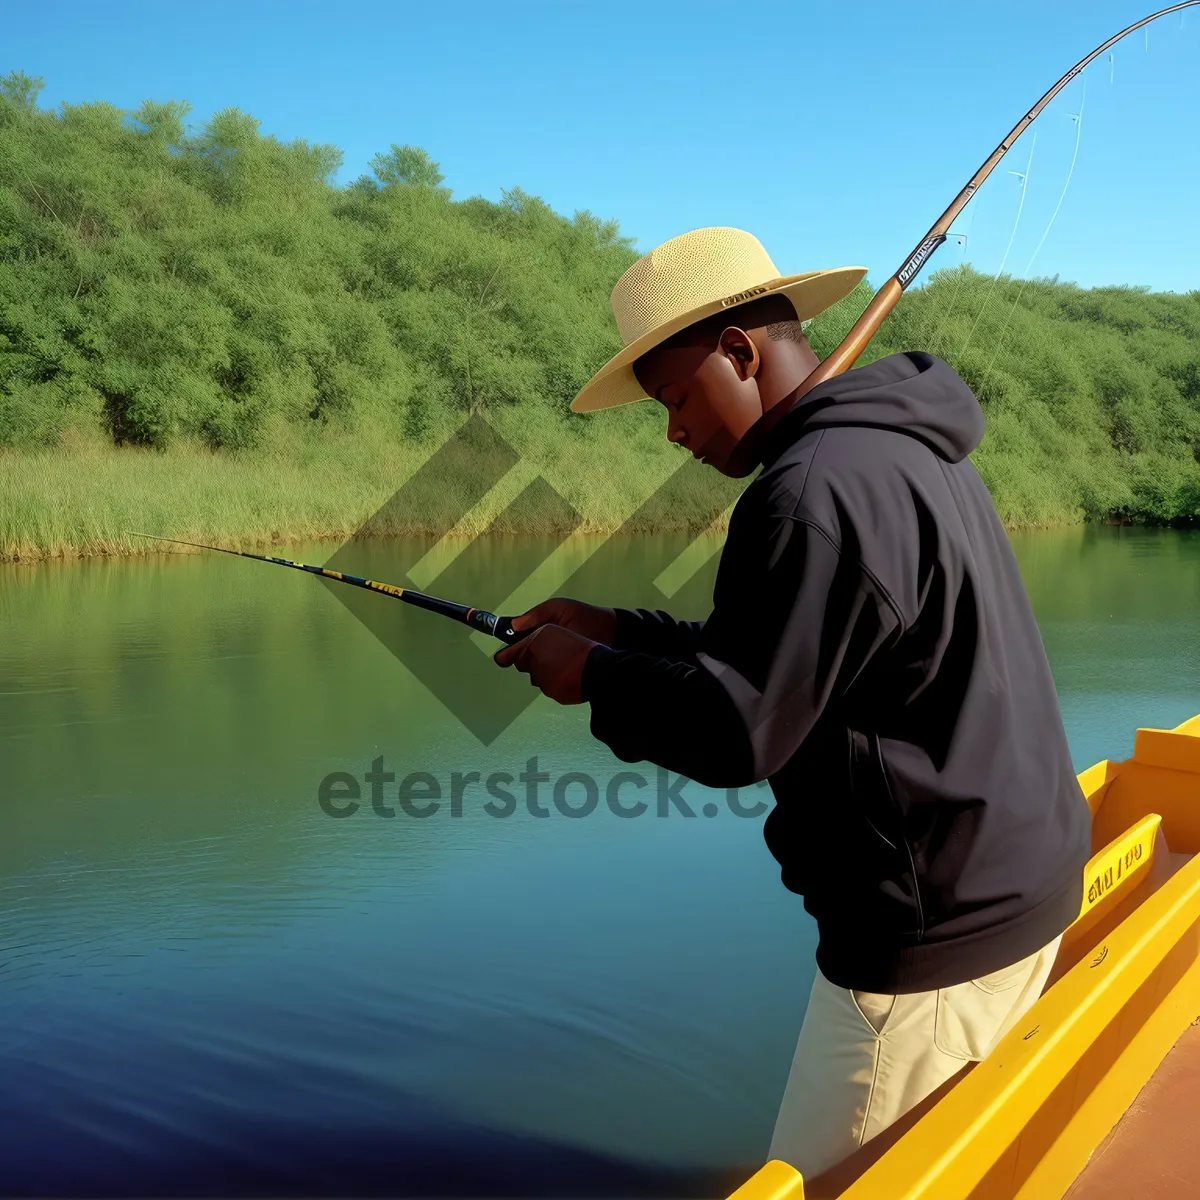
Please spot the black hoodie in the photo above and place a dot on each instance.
(872, 653)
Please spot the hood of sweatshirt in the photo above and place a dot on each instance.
(912, 393)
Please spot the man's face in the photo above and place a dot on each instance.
(710, 403)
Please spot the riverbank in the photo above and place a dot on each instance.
(252, 356)
(231, 349)
(79, 499)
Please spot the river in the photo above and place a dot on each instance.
(212, 982)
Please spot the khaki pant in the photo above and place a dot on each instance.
(863, 1060)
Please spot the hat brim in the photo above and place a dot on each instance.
(810, 294)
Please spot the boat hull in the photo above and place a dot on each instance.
(1024, 1122)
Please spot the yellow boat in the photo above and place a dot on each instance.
(1096, 1092)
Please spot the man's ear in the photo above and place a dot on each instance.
(738, 346)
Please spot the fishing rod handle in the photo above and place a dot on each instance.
(497, 627)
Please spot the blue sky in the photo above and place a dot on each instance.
(835, 133)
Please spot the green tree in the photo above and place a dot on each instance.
(158, 285)
(21, 89)
(406, 164)
(163, 122)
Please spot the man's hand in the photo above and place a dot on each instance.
(553, 658)
(589, 620)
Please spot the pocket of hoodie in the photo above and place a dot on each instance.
(866, 787)
(879, 812)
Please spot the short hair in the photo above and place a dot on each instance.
(775, 313)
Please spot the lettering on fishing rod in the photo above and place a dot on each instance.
(914, 264)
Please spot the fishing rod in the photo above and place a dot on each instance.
(884, 300)
(477, 618)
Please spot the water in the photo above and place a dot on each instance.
(208, 984)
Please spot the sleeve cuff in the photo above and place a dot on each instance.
(597, 670)
(628, 622)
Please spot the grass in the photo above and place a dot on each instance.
(78, 499)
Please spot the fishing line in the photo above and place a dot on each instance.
(988, 294)
(952, 303)
(1078, 119)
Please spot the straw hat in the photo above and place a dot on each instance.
(687, 279)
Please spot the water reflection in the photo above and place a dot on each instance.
(207, 983)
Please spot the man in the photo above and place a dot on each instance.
(871, 652)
